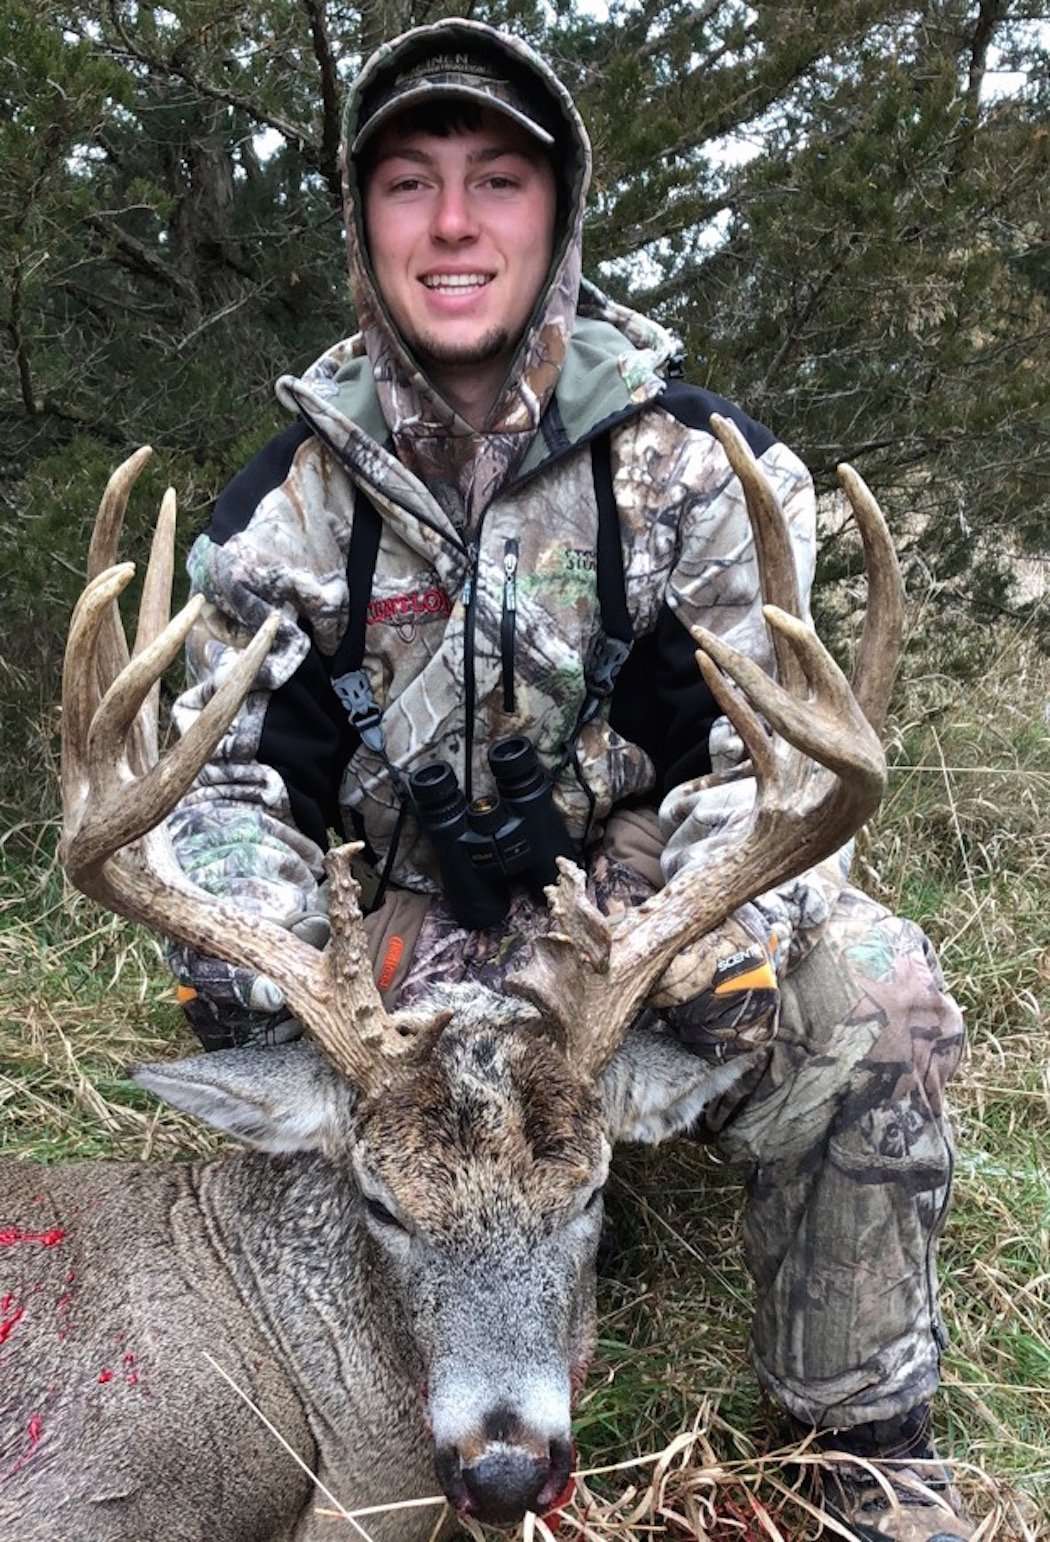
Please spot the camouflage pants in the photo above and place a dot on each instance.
(849, 1155)
(844, 1138)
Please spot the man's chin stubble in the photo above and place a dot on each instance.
(431, 350)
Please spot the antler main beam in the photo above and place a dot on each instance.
(819, 777)
(117, 792)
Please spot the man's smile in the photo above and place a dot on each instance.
(456, 280)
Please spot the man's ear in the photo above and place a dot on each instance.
(286, 1097)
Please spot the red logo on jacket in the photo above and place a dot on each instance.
(414, 605)
(405, 612)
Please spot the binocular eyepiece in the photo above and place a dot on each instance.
(513, 835)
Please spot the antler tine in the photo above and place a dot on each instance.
(154, 611)
(115, 845)
(777, 574)
(81, 693)
(102, 554)
(737, 709)
(876, 665)
(115, 808)
(109, 521)
(819, 776)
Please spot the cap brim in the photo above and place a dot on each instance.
(430, 93)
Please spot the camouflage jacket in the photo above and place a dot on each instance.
(479, 526)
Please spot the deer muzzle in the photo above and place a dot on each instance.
(506, 1478)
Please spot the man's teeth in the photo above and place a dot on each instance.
(456, 280)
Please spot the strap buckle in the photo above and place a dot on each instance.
(604, 662)
(354, 690)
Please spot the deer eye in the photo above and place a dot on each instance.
(379, 1212)
(594, 1197)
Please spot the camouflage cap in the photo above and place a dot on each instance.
(466, 76)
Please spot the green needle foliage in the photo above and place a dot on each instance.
(830, 202)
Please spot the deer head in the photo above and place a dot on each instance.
(469, 1141)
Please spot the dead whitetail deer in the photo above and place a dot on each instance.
(402, 1275)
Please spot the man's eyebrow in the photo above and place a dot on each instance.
(493, 152)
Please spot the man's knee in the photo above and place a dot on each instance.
(873, 991)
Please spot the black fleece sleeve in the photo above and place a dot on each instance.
(662, 702)
(308, 740)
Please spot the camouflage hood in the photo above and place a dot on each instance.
(465, 467)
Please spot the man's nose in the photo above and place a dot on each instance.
(453, 220)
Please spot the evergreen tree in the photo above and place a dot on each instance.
(871, 279)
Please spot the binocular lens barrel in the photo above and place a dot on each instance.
(515, 767)
(436, 791)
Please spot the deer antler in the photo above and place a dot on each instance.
(819, 777)
(117, 792)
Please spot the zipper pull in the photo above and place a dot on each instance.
(510, 606)
(510, 575)
(472, 573)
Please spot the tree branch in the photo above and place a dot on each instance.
(141, 259)
(19, 346)
(293, 132)
(77, 420)
(330, 113)
(989, 14)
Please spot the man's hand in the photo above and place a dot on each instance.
(229, 1007)
(723, 989)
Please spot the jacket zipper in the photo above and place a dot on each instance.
(469, 619)
(508, 620)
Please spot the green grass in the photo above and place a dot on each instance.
(962, 844)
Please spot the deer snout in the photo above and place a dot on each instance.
(506, 1477)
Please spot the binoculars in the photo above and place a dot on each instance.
(485, 846)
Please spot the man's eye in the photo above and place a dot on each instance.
(379, 1212)
(405, 185)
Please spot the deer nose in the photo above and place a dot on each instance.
(503, 1484)
(506, 1479)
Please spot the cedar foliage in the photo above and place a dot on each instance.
(874, 281)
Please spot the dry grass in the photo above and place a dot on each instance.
(962, 845)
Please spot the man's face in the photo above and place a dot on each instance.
(461, 232)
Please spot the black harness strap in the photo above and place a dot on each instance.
(360, 570)
(612, 585)
(616, 635)
(349, 679)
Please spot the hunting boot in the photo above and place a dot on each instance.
(924, 1506)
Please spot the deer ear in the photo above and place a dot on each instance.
(286, 1097)
(654, 1088)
